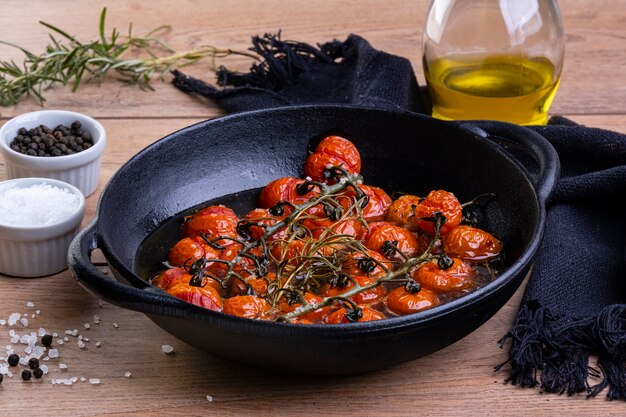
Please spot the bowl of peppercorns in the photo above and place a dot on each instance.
(57, 144)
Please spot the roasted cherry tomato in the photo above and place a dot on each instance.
(189, 249)
(366, 297)
(288, 250)
(471, 244)
(402, 212)
(247, 306)
(378, 202)
(206, 297)
(263, 216)
(220, 269)
(332, 151)
(314, 316)
(213, 221)
(258, 285)
(386, 237)
(458, 277)
(408, 211)
(289, 189)
(357, 264)
(169, 277)
(367, 314)
(320, 227)
(402, 302)
(441, 201)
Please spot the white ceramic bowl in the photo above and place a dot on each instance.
(81, 169)
(34, 251)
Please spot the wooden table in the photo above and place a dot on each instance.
(458, 380)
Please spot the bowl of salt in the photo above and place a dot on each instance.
(39, 217)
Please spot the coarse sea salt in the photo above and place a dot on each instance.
(167, 348)
(37, 205)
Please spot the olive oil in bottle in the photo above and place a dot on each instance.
(509, 88)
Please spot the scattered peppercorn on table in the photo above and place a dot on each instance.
(106, 360)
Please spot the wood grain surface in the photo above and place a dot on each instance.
(458, 380)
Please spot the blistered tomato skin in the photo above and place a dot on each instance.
(206, 297)
(401, 212)
(471, 244)
(377, 206)
(332, 151)
(366, 297)
(402, 238)
(212, 222)
(402, 302)
(365, 264)
(367, 314)
(439, 201)
(459, 276)
(264, 217)
(315, 316)
(247, 306)
(189, 249)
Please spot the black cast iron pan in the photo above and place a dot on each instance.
(400, 152)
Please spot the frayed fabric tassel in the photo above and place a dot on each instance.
(555, 356)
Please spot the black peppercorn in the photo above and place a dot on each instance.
(38, 373)
(1, 378)
(33, 363)
(62, 140)
(13, 359)
(26, 375)
(46, 340)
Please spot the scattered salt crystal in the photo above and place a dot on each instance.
(167, 348)
(12, 333)
(44, 369)
(15, 339)
(98, 344)
(3, 322)
(38, 351)
(68, 332)
(81, 344)
(94, 381)
(53, 353)
(116, 325)
(127, 374)
(37, 205)
(80, 337)
(86, 339)
(33, 316)
(67, 381)
(87, 325)
(67, 339)
(62, 366)
(30, 304)
(74, 379)
(38, 312)
(55, 334)
(83, 379)
(96, 319)
(209, 398)
(60, 341)
(74, 332)
(23, 361)
(13, 318)
(41, 331)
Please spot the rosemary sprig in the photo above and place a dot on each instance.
(67, 60)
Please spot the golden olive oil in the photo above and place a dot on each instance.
(511, 88)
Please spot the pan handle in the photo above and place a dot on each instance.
(149, 300)
(535, 145)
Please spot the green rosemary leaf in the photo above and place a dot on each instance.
(103, 37)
